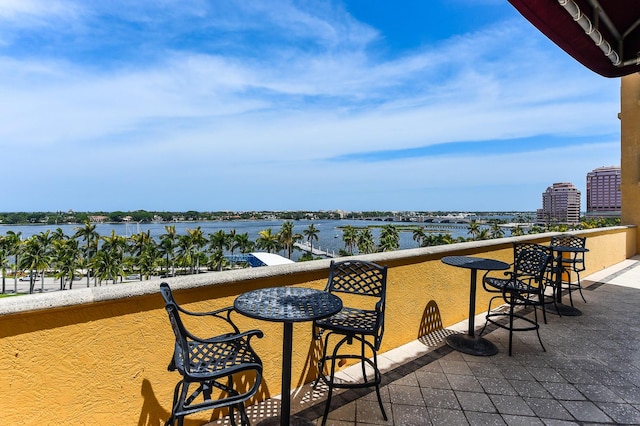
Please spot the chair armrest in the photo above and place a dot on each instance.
(222, 313)
(230, 337)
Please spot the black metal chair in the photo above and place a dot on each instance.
(367, 282)
(573, 263)
(524, 286)
(211, 364)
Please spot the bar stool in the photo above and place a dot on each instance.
(367, 282)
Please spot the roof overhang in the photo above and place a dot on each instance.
(603, 35)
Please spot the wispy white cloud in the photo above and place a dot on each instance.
(195, 113)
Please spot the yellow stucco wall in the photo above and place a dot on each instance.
(630, 149)
(105, 363)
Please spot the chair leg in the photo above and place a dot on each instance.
(378, 379)
(327, 407)
(580, 287)
(535, 315)
(569, 285)
(322, 361)
(511, 308)
(232, 416)
(486, 318)
(334, 356)
(179, 396)
(329, 382)
(362, 363)
(244, 419)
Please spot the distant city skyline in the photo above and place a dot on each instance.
(285, 105)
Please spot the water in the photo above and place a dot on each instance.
(329, 235)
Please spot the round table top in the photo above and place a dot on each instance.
(288, 304)
(471, 262)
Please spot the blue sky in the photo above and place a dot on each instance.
(291, 105)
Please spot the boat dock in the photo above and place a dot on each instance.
(316, 251)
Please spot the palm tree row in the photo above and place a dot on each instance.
(112, 257)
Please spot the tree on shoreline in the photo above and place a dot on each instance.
(350, 238)
(365, 242)
(89, 234)
(389, 238)
(311, 233)
(13, 241)
(4, 261)
(168, 246)
(268, 241)
(288, 238)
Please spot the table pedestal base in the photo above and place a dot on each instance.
(563, 310)
(472, 345)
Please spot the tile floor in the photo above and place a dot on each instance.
(589, 374)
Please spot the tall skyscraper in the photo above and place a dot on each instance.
(560, 204)
(604, 198)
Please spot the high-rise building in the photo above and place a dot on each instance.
(604, 198)
(560, 204)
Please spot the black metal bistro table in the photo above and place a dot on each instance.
(469, 343)
(287, 305)
(558, 307)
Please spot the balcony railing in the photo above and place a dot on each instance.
(99, 355)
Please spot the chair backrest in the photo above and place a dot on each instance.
(358, 277)
(531, 261)
(178, 327)
(568, 240)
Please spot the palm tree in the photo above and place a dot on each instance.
(243, 242)
(58, 234)
(366, 244)
(13, 242)
(350, 237)
(311, 233)
(219, 241)
(45, 239)
(89, 234)
(483, 234)
(517, 231)
(217, 260)
(4, 260)
(66, 255)
(389, 238)
(34, 258)
(419, 236)
(168, 246)
(474, 229)
(496, 231)
(186, 252)
(147, 261)
(287, 237)
(102, 266)
(232, 246)
(115, 246)
(189, 248)
(198, 241)
(268, 241)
